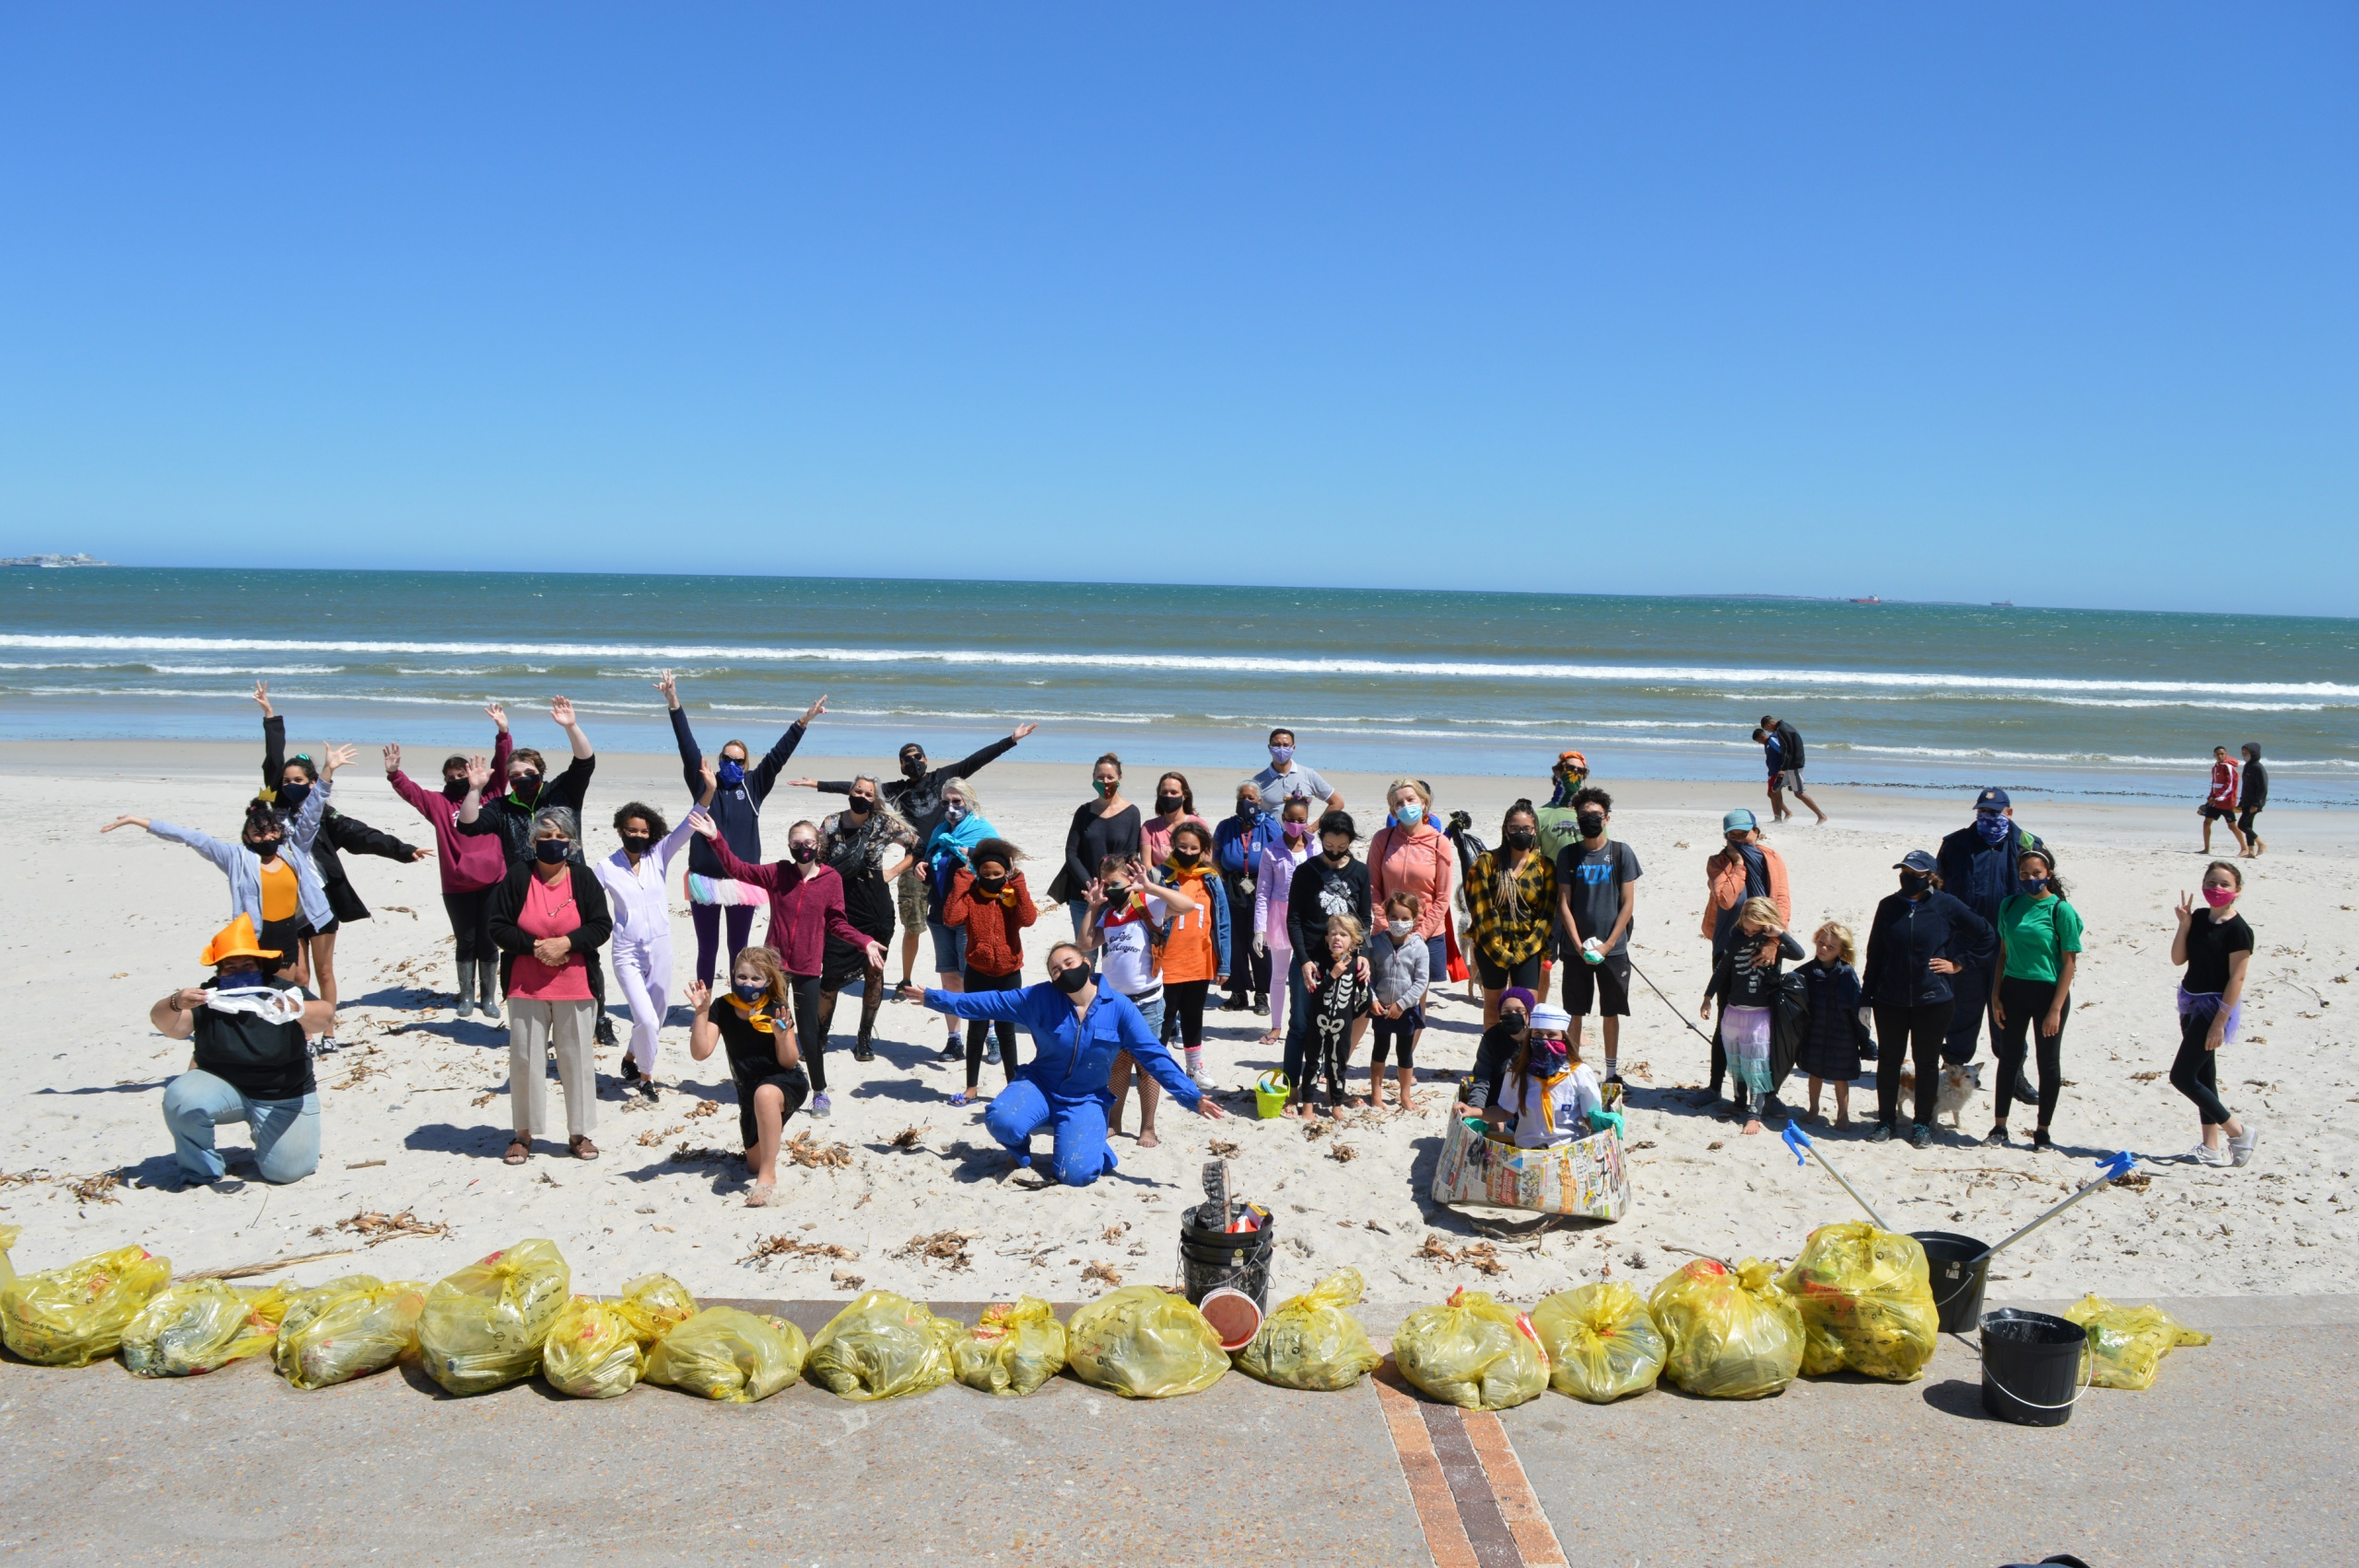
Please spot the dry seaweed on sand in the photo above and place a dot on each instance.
(908, 1137)
(376, 1227)
(704, 1107)
(99, 1188)
(945, 1247)
(1479, 1254)
(1105, 1274)
(803, 1150)
(794, 1249)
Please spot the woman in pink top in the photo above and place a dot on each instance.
(1410, 855)
(1272, 878)
(549, 918)
(1175, 803)
(471, 865)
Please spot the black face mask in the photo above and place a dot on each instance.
(292, 796)
(1166, 804)
(266, 847)
(857, 806)
(454, 789)
(1522, 839)
(990, 884)
(913, 768)
(1591, 824)
(1514, 1023)
(1118, 892)
(1072, 980)
(804, 851)
(1914, 883)
(1183, 857)
(525, 787)
(551, 851)
(1337, 857)
(636, 843)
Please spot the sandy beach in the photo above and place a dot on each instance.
(415, 1117)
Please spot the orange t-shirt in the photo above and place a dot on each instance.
(280, 896)
(1190, 952)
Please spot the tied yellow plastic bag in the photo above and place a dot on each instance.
(592, 1351)
(880, 1347)
(724, 1354)
(1732, 1333)
(74, 1316)
(1144, 1343)
(655, 1305)
(483, 1325)
(1866, 1300)
(348, 1329)
(2127, 1344)
(1311, 1341)
(1472, 1352)
(1012, 1350)
(1601, 1342)
(193, 1329)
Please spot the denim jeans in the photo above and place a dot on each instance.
(285, 1132)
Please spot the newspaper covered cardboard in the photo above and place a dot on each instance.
(1585, 1177)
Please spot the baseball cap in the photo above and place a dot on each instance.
(1737, 821)
(1992, 799)
(1916, 860)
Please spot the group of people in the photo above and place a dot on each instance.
(1278, 905)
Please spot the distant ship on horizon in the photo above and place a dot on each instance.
(1871, 599)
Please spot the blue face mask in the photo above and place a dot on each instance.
(1993, 826)
(292, 796)
(244, 981)
(745, 992)
(1409, 813)
(730, 771)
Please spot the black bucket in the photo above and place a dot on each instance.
(1214, 1259)
(1960, 1267)
(2031, 1366)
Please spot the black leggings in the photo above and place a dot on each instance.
(1384, 1034)
(2244, 824)
(978, 1029)
(1916, 1033)
(1254, 974)
(2027, 1003)
(471, 924)
(2196, 1071)
(1183, 1012)
(809, 1037)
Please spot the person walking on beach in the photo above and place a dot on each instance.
(1781, 745)
(1511, 904)
(920, 797)
(272, 880)
(1105, 825)
(471, 867)
(989, 903)
(1284, 778)
(284, 782)
(1078, 1027)
(549, 918)
(854, 843)
(1130, 916)
(1410, 854)
(1175, 803)
(1237, 845)
(806, 901)
(633, 878)
(749, 1022)
(1745, 980)
(2221, 804)
(1924, 947)
(1272, 886)
(2039, 947)
(1326, 884)
(743, 786)
(1597, 903)
(1978, 866)
(250, 1064)
(2215, 945)
(2254, 795)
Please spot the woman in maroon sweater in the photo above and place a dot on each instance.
(806, 907)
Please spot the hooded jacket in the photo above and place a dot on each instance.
(1909, 934)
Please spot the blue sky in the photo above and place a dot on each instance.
(2050, 303)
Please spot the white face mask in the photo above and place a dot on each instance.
(1403, 928)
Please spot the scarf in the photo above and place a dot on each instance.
(1005, 898)
(1993, 829)
(756, 1014)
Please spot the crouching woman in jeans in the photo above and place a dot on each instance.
(251, 1063)
(548, 919)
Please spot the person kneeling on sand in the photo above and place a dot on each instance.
(1077, 1029)
(763, 1057)
(1546, 1094)
(251, 1063)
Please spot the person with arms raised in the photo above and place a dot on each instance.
(509, 819)
(249, 1062)
(471, 867)
(1130, 914)
(855, 842)
(750, 1020)
(634, 879)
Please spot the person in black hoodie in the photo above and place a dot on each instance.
(737, 809)
(1330, 883)
(2255, 795)
(1784, 744)
(285, 783)
(1924, 946)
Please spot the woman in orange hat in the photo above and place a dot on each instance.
(251, 1063)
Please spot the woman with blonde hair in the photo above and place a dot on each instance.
(1745, 979)
(1411, 854)
(751, 1022)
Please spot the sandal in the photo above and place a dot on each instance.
(964, 1098)
(520, 1148)
(582, 1148)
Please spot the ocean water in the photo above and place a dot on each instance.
(1916, 695)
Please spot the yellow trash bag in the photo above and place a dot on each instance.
(1732, 1333)
(348, 1329)
(1144, 1343)
(1311, 1341)
(880, 1347)
(1013, 1349)
(194, 1328)
(1866, 1302)
(2127, 1344)
(483, 1325)
(725, 1353)
(1601, 1342)
(8, 1234)
(655, 1305)
(74, 1316)
(1472, 1352)
(593, 1351)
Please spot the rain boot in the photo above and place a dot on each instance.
(467, 988)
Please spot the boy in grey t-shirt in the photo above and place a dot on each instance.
(1597, 900)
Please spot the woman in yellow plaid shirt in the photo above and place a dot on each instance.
(1511, 897)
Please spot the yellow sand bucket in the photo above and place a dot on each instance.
(1270, 1093)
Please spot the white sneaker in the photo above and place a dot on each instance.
(2240, 1149)
(2204, 1154)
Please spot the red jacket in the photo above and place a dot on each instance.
(993, 946)
(469, 862)
(2224, 786)
(806, 909)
